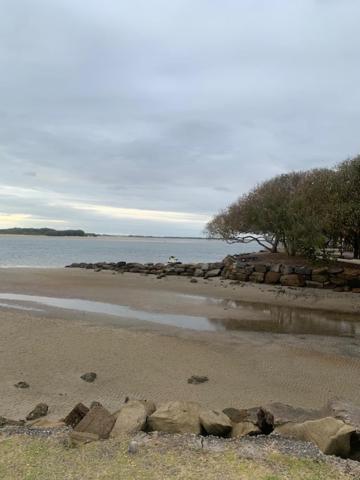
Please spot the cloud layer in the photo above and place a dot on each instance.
(149, 116)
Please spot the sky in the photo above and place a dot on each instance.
(149, 116)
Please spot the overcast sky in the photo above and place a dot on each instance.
(148, 116)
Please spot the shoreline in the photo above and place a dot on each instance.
(52, 348)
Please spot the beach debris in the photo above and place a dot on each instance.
(89, 377)
(197, 379)
(40, 410)
(22, 384)
(97, 421)
(95, 404)
(215, 423)
(76, 415)
(132, 417)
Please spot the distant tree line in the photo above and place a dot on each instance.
(49, 232)
(305, 212)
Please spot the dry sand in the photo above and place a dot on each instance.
(52, 348)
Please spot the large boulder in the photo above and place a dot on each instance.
(242, 429)
(176, 417)
(215, 423)
(332, 436)
(97, 421)
(345, 411)
(132, 417)
(292, 280)
(272, 277)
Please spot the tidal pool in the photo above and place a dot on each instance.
(236, 315)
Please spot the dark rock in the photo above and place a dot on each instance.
(196, 379)
(292, 280)
(272, 278)
(257, 277)
(193, 280)
(11, 423)
(303, 271)
(95, 404)
(22, 385)
(40, 410)
(235, 415)
(97, 421)
(265, 421)
(89, 377)
(76, 415)
(261, 268)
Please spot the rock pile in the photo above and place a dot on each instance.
(335, 429)
(244, 268)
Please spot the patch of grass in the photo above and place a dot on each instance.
(24, 458)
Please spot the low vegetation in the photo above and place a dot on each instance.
(27, 458)
(305, 212)
(49, 232)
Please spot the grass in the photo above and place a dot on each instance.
(24, 458)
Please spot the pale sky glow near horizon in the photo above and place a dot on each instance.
(148, 116)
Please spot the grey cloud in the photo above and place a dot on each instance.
(177, 106)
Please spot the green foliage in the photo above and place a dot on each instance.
(304, 211)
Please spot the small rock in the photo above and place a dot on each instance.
(40, 410)
(133, 447)
(193, 280)
(22, 385)
(89, 377)
(95, 404)
(196, 379)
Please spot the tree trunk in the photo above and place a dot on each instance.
(356, 246)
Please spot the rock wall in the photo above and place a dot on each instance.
(246, 268)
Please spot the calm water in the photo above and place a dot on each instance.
(24, 251)
(241, 316)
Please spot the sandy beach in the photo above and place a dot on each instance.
(51, 347)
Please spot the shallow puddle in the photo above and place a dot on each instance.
(238, 315)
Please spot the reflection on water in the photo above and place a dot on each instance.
(235, 315)
(280, 319)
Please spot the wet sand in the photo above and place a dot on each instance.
(50, 348)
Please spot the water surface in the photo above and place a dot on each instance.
(237, 316)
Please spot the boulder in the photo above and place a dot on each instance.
(245, 428)
(332, 436)
(272, 278)
(132, 417)
(261, 268)
(215, 272)
(40, 410)
(176, 417)
(215, 423)
(257, 277)
(292, 280)
(283, 413)
(312, 284)
(265, 421)
(89, 377)
(76, 415)
(97, 421)
(345, 411)
(235, 415)
(4, 422)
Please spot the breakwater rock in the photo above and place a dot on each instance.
(245, 268)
